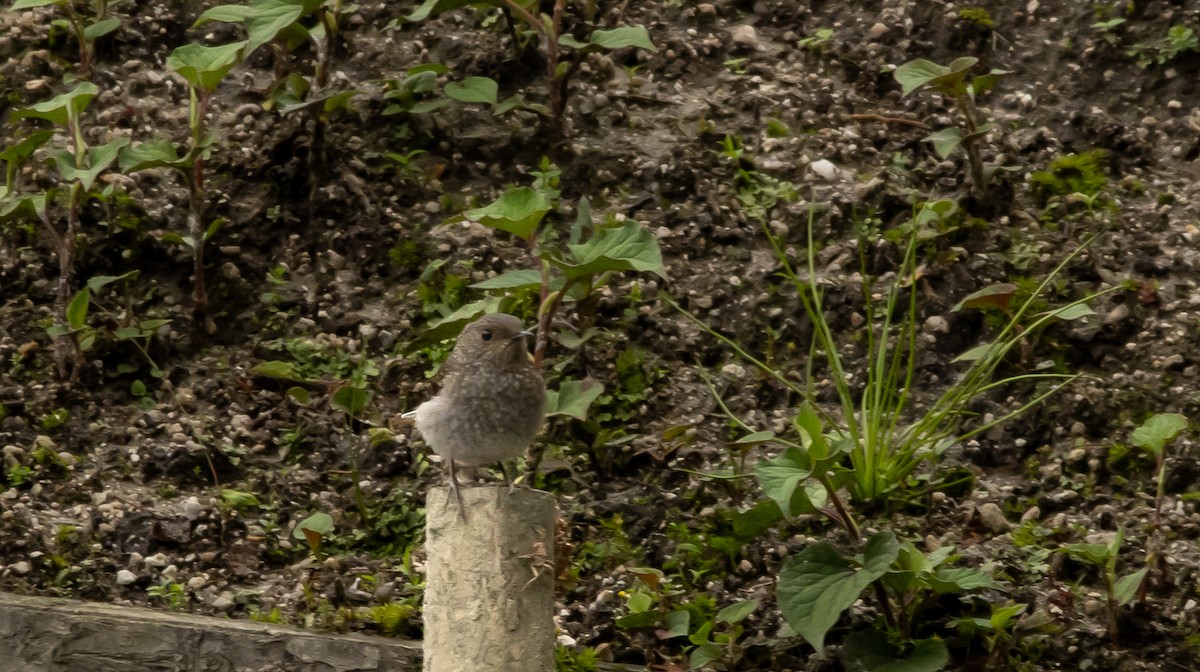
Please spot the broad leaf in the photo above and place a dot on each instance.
(517, 211)
(1126, 587)
(239, 499)
(350, 400)
(960, 580)
(276, 369)
(31, 4)
(473, 90)
(676, 624)
(319, 523)
(818, 584)
(998, 297)
(921, 72)
(573, 398)
(204, 67)
(617, 38)
(519, 278)
(629, 247)
(26, 147)
(945, 141)
(753, 522)
(870, 651)
(154, 154)
(97, 282)
(431, 7)
(98, 160)
(264, 19)
(100, 28)
(77, 309)
(1074, 311)
(736, 612)
(1158, 430)
(58, 109)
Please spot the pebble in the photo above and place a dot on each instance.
(224, 601)
(746, 36)
(157, 560)
(21, 568)
(824, 169)
(125, 577)
(992, 518)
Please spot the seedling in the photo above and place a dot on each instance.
(1178, 40)
(79, 166)
(313, 530)
(203, 68)
(280, 23)
(1154, 435)
(1118, 590)
(87, 28)
(953, 80)
(563, 52)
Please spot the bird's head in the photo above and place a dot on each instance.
(499, 337)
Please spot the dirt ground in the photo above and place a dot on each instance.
(185, 491)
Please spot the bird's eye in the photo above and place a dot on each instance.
(487, 335)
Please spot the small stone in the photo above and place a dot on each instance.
(992, 518)
(125, 577)
(224, 601)
(192, 508)
(877, 31)
(21, 568)
(937, 324)
(1033, 513)
(745, 36)
(824, 169)
(733, 371)
(196, 582)
(157, 560)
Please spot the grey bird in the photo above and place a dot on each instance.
(491, 403)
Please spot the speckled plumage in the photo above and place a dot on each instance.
(491, 404)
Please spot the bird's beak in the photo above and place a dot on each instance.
(523, 334)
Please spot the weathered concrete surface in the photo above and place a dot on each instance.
(40, 634)
(489, 583)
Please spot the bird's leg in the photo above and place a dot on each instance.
(508, 477)
(462, 509)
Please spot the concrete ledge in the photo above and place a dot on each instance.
(40, 634)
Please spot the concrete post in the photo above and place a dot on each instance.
(489, 582)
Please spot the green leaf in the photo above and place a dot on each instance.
(921, 72)
(755, 439)
(945, 141)
(812, 430)
(350, 400)
(984, 83)
(736, 612)
(204, 67)
(279, 370)
(98, 282)
(58, 109)
(153, 154)
(519, 278)
(977, 353)
(616, 38)
(152, 325)
(77, 309)
(961, 580)
(998, 297)
(1092, 554)
(473, 90)
(818, 584)
(1158, 430)
(573, 398)
(264, 19)
(1126, 587)
(628, 247)
(26, 147)
(238, 499)
(703, 655)
(100, 28)
(1074, 311)
(676, 624)
(299, 395)
(31, 4)
(137, 388)
(870, 651)
(318, 523)
(517, 211)
(780, 479)
(753, 522)
(97, 161)
(431, 7)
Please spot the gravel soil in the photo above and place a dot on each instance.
(184, 492)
